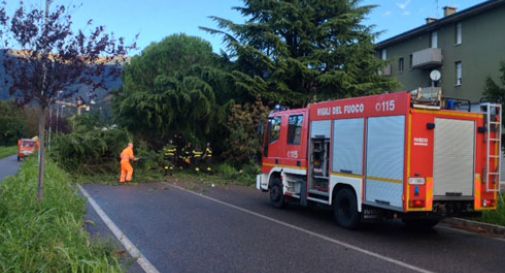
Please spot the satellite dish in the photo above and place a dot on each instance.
(435, 75)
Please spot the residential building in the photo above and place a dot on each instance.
(466, 47)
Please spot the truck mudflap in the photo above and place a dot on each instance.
(262, 182)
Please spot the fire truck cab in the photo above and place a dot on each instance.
(384, 156)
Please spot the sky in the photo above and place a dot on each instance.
(155, 19)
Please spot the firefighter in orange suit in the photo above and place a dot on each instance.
(126, 167)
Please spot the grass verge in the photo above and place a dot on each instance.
(496, 217)
(47, 236)
(6, 151)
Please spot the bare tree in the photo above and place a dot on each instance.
(52, 59)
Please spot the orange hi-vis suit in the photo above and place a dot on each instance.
(126, 167)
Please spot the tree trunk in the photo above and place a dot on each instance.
(42, 153)
(42, 120)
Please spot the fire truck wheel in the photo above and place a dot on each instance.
(276, 195)
(345, 209)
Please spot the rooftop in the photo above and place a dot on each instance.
(437, 23)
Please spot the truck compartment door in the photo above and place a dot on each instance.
(454, 158)
(385, 161)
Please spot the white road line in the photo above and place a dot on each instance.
(320, 236)
(130, 247)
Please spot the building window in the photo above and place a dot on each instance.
(459, 33)
(275, 129)
(459, 73)
(400, 65)
(411, 60)
(295, 124)
(434, 39)
(384, 54)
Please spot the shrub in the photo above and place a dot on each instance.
(92, 150)
(245, 175)
(150, 160)
(244, 142)
(91, 147)
(251, 170)
(227, 171)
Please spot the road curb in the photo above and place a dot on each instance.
(475, 226)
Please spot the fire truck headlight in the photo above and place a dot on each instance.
(416, 181)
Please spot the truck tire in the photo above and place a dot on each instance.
(421, 223)
(345, 209)
(276, 194)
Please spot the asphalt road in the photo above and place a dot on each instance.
(182, 232)
(8, 166)
(179, 231)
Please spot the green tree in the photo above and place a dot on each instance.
(303, 50)
(174, 86)
(492, 90)
(12, 123)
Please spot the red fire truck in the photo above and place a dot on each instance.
(384, 156)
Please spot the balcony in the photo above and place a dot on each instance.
(427, 58)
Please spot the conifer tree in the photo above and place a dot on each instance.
(298, 51)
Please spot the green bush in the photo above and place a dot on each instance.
(251, 170)
(91, 153)
(47, 236)
(90, 150)
(244, 142)
(94, 148)
(227, 171)
(246, 175)
(150, 159)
